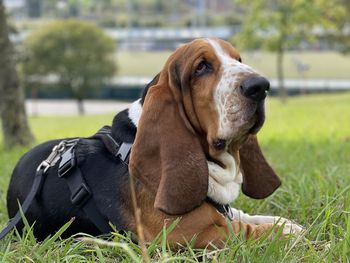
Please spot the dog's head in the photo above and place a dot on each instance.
(204, 102)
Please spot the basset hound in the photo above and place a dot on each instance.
(194, 147)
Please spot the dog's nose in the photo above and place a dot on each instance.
(255, 88)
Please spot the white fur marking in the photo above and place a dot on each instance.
(224, 97)
(224, 184)
(135, 111)
(289, 226)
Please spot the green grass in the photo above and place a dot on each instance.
(307, 141)
(323, 65)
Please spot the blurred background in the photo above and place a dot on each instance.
(73, 57)
(68, 66)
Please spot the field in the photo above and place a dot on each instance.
(307, 141)
(322, 65)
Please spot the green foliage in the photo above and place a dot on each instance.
(280, 25)
(77, 52)
(340, 36)
(308, 143)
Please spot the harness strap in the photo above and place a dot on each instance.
(34, 192)
(81, 195)
(104, 134)
(121, 151)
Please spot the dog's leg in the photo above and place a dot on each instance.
(290, 227)
(217, 235)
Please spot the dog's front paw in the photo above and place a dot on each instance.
(290, 228)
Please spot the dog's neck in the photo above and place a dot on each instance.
(125, 123)
(135, 111)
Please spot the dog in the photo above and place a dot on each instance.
(194, 146)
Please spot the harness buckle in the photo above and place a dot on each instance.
(67, 162)
(124, 151)
(54, 156)
(80, 196)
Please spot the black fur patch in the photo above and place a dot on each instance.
(123, 130)
(145, 90)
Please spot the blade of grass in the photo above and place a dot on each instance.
(48, 243)
(99, 254)
(299, 237)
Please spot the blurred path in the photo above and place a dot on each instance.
(69, 107)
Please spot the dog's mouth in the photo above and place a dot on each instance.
(250, 124)
(259, 117)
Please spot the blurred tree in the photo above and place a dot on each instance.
(73, 8)
(15, 126)
(341, 35)
(78, 53)
(280, 25)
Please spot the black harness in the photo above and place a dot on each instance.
(81, 195)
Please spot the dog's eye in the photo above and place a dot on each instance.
(240, 60)
(203, 68)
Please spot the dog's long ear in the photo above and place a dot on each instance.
(259, 179)
(150, 84)
(167, 156)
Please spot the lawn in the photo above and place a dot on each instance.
(307, 141)
(322, 64)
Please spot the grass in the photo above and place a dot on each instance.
(307, 141)
(333, 65)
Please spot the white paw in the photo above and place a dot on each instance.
(290, 228)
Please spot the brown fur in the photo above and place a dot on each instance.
(260, 180)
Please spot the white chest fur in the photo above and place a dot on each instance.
(224, 184)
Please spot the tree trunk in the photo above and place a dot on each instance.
(282, 92)
(81, 109)
(78, 94)
(15, 126)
